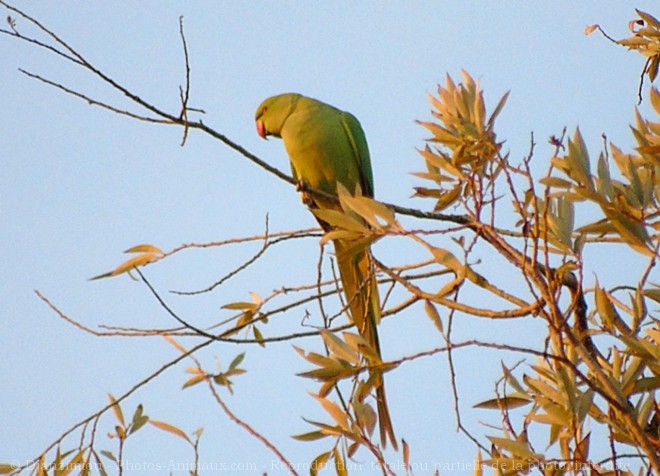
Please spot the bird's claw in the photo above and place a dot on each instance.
(306, 195)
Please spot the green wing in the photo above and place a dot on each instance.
(358, 143)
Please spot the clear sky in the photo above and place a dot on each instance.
(80, 185)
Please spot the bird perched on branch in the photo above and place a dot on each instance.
(327, 147)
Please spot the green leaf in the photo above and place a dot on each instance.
(237, 361)
(138, 420)
(109, 455)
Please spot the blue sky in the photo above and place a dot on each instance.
(80, 185)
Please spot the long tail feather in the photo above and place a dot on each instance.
(361, 291)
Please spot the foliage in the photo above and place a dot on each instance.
(600, 369)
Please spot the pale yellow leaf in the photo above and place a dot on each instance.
(170, 429)
(337, 414)
(116, 409)
(144, 248)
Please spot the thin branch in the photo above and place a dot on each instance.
(241, 423)
(185, 95)
(267, 243)
(109, 406)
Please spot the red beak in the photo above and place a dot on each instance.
(261, 130)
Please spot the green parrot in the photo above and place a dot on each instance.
(328, 147)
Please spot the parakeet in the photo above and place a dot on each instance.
(327, 147)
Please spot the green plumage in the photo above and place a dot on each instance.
(327, 146)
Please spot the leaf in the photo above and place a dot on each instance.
(646, 384)
(509, 402)
(240, 306)
(434, 315)
(318, 463)
(145, 248)
(161, 425)
(116, 409)
(175, 344)
(237, 361)
(198, 432)
(583, 405)
(631, 232)
(7, 468)
(448, 198)
(648, 18)
(71, 464)
(139, 260)
(366, 207)
(340, 464)
(578, 157)
(341, 220)
(337, 414)
(310, 436)
(516, 448)
(359, 343)
(498, 109)
(655, 95)
(605, 308)
(546, 390)
(589, 29)
(447, 259)
(406, 454)
(654, 334)
(511, 380)
(555, 182)
(138, 420)
(339, 348)
(258, 336)
(193, 381)
(582, 450)
(109, 455)
(364, 413)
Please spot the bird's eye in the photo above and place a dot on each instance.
(264, 109)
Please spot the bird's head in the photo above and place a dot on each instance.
(273, 112)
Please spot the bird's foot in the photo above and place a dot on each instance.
(305, 194)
